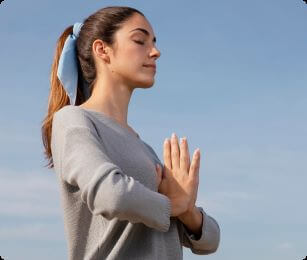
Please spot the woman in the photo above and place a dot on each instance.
(116, 203)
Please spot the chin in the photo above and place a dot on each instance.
(145, 83)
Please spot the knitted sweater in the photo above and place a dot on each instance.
(111, 206)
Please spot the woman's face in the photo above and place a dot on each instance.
(133, 51)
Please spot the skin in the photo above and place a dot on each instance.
(120, 70)
(179, 180)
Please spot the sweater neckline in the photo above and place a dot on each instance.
(113, 121)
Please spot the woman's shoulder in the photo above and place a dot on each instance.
(69, 116)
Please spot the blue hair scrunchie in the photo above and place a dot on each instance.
(68, 66)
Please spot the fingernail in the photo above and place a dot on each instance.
(173, 135)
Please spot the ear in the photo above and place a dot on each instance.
(101, 50)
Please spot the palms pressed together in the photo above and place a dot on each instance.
(179, 178)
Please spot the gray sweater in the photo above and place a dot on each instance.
(111, 206)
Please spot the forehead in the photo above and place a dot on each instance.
(136, 21)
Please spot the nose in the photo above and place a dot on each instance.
(155, 52)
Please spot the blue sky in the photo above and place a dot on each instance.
(231, 77)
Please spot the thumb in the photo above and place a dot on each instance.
(159, 174)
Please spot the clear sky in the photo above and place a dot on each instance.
(231, 78)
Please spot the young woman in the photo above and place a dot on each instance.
(116, 203)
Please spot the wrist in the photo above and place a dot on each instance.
(192, 219)
(191, 213)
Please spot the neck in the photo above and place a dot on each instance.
(111, 99)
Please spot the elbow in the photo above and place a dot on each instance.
(215, 236)
(102, 196)
(212, 241)
(206, 251)
(216, 241)
(108, 207)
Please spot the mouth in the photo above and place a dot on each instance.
(153, 66)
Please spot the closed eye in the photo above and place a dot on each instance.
(139, 42)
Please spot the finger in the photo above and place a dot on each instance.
(196, 183)
(159, 174)
(175, 154)
(187, 148)
(184, 155)
(167, 155)
(195, 165)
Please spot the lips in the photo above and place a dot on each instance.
(150, 65)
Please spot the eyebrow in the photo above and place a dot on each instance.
(144, 31)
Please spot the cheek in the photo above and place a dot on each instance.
(131, 64)
(130, 60)
(134, 55)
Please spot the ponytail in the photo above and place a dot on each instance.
(57, 97)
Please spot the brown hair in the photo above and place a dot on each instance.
(100, 25)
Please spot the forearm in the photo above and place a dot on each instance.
(193, 221)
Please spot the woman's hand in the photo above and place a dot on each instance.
(179, 179)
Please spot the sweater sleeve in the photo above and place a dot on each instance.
(209, 239)
(83, 162)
